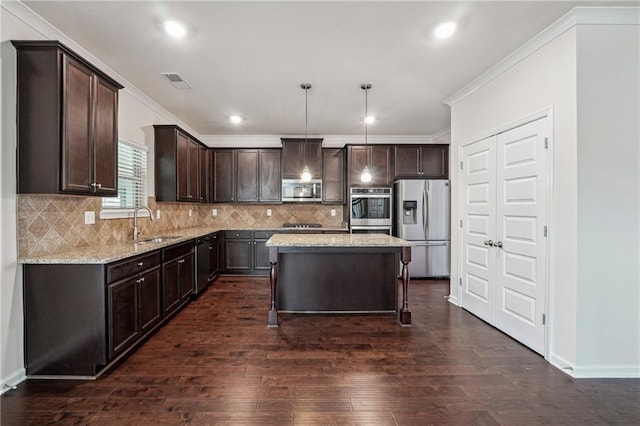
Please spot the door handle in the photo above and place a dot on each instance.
(488, 243)
(499, 244)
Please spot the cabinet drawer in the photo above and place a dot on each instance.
(230, 235)
(131, 266)
(178, 250)
(263, 235)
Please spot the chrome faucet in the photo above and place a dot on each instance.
(135, 220)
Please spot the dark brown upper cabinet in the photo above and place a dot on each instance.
(258, 176)
(295, 152)
(333, 176)
(223, 171)
(178, 167)
(67, 122)
(421, 161)
(378, 157)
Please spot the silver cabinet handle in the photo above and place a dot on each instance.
(181, 261)
(141, 280)
(499, 244)
(488, 243)
(140, 263)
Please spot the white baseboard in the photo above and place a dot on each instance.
(13, 379)
(595, 371)
(452, 299)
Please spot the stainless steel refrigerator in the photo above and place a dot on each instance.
(423, 217)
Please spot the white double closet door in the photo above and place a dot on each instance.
(504, 210)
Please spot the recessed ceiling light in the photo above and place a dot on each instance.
(175, 29)
(445, 30)
(369, 119)
(235, 119)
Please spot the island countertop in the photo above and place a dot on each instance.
(335, 240)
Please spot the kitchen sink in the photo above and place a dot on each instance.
(159, 239)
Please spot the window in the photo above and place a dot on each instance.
(132, 182)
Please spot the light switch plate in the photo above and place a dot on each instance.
(190, 212)
(268, 212)
(333, 212)
(214, 212)
(89, 217)
(157, 214)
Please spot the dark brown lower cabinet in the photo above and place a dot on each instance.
(134, 308)
(245, 252)
(177, 276)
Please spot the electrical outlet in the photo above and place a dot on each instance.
(157, 214)
(268, 212)
(333, 212)
(190, 212)
(214, 212)
(89, 217)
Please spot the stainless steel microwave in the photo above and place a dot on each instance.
(294, 190)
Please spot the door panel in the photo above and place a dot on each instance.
(521, 215)
(411, 227)
(105, 141)
(438, 216)
(479, 213)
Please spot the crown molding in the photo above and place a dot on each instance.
(23, 13)
(576, 16)
(329, 141)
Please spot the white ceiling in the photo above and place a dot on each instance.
(249, 58)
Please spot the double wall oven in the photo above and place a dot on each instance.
(371, 210)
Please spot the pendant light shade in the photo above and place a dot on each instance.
(305, 176)
(365, 176)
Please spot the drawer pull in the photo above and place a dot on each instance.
(140, 263)
(181, 261)
(141, 280)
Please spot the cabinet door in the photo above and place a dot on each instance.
(261, 255)
(223, 175)
(214, 258)
(186, 275)
(203, 174)
(150, 301)
(77, 152)
(295, 153)
(123, 314)
(435, 161)
(170, 286)
(238, 255)
(193, 149)
(182, 167)
(247, 175)
(407, 161)
(381, 165)
(357, 160)
(333, 188)
(105, 140)
(379, 162)
(270, 182)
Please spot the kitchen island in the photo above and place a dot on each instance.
(348, 273)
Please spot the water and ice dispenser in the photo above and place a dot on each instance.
(409, 211)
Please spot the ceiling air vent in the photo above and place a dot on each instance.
(177, 81)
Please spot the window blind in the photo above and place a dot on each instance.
(132, 178)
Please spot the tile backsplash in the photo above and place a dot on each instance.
(55, 223)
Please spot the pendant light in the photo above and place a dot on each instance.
(305, 176)
(366, 176)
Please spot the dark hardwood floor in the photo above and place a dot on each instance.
(218, 363)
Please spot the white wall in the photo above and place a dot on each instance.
(543, 80)
(588, 75)
(608, 103)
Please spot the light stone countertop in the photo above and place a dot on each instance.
(113, 252)
(336, 240)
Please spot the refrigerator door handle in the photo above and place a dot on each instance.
(425, 210)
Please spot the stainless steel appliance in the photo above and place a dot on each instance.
(371, 210)
(298, 225)
(423, 217)
(206, 262)
(295, 190)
